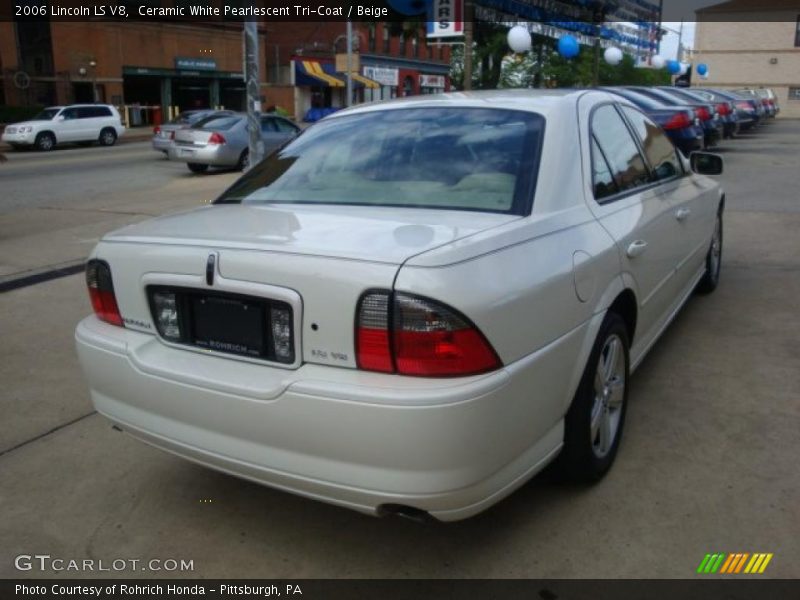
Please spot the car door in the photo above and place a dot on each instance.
(627, 202)
(275, 131)
(69, 125)
(692, 203)
(88, 123)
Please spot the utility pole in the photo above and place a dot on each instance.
(256, 145)
(469, 15)
(349, 63)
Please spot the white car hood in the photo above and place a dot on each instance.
(378, 234)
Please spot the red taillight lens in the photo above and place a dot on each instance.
(426, 339)
(678, 121)
(216, 138)
(156, 130)
(101, 292)
(723, 109)
(703, 114)
(373, 346)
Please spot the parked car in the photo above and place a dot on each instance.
(745, 104)
(766, 97)
(165, 133)
(413, 307)
(222, 140)
(712, 126)
(81, 123)
(680, 123)
(724, 109)
(745, 113)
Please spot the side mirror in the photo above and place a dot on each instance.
(706, 163)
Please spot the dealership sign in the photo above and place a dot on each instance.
(433, 81)
(196, 64)
(382, 75)
(446, 18)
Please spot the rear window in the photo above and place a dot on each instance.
(452, 158)
(217, 123)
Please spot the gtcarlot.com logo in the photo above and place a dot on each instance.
(735, 563)
(45, 562)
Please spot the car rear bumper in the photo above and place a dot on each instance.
(161, 144)
(217, 155)
(361, 440)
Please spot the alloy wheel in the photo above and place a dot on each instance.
(609, 395)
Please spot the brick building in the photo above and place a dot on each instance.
(748, 44)
(185, 65)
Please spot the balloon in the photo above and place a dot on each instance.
(568, 46)
(613, 56)
(684, 68)
(519, 39)
(674, 67)
(702, 69)
(658, 61)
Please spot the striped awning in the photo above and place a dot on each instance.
(365, 81)
(311, 72)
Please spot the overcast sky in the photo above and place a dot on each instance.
(669, 43)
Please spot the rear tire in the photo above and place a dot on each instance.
(45, 141)
(594, 423)
(197, 167)
(244, 161)
(710, 278)
(108, 137)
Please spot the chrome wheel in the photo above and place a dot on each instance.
(609, 395)
(108, 137)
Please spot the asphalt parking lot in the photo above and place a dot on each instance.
(708, 462)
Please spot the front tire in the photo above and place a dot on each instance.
(244, 161)
(197, 167)
(108, 137)
(45, 141)
(710, 278)
(594, 423)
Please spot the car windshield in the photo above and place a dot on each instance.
(217, 122)
(46, 115)
(452, 158)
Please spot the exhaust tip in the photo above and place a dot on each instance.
(406, 512)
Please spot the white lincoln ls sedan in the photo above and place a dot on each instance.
(412, 307)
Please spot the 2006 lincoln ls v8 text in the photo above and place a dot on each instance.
(412, 307)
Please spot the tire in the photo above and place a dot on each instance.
(108, 137)
(710, 278)
(45, 141)
(244, 161)
(197, 167)
(595, 420)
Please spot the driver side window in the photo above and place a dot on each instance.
(70, 114)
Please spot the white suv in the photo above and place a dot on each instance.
(82, 123)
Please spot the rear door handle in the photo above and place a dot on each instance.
(682, 214)
(636, 248)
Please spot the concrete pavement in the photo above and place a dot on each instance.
(708, 462)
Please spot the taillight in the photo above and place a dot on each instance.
(101, 292)
(744, 105)
(703, 114)
(678, 121)
(411, 335)
(723, 108)
(216, 138)
(156, 130)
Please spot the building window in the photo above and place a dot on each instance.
(372, 38)
(385, 38)
(430, 50)
(794, 93)
(415, 46)
(441, 52)
(402, 50)
(797, 33)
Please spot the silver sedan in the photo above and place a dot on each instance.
(222, 141)
(165, 133)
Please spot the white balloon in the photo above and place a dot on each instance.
(658, 61)
(519, 39)
(684, 68)
(613, 56)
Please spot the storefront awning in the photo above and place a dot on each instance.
(365, 81)
(311, 72)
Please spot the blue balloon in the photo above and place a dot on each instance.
(702, 69)
(409, 7)
(674, 67)
(568, 46)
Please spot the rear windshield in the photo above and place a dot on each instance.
(217, 123)
(453, 158)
